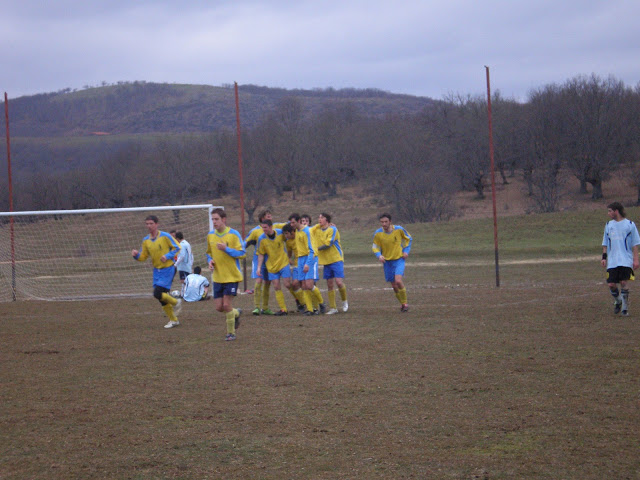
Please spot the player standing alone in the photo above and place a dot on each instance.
(392, 244)
(225, 248)
(163, 249)
(620, 255)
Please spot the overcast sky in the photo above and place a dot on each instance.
(420, 47)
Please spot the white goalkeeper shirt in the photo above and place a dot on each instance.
(184, 262)
(620, 238)
(193, 288)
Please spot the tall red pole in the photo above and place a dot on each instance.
(493, 180)
(244, 262)
(13, 248)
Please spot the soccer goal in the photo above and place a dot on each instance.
(86, 254)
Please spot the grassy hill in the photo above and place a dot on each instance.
(139, 107)
(72, 128)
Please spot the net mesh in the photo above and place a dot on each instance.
(82, 256)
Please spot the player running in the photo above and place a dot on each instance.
(225, 248)
(163, 249)
(392, 244)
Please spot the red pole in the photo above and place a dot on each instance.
(244, 262)
(13, 248)
(493, 180)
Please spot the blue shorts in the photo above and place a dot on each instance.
(163, 277)
(225, 289)
(284, 273)
(254, 268)
(294, 274)
(333, 270)
(393, 268)
(312, 273)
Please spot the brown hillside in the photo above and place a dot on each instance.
(511, 199)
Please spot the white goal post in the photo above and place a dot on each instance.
(86, 254)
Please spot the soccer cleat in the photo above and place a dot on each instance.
(172, 324)
(281, 313)
(177, 307)
(301, 308)
(322, 308)
(617, 306)
(307, 313)
(345, 306)
(625, 313)
(237, 324)
(332, 311)
(316, 312)
(266, 311)
(230, 337)
(256, 311)
(404, 307)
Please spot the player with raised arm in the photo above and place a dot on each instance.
(391, 245)
(272, 252)
(163, 249)
(620, 255)
(225, 248)
(330, 255)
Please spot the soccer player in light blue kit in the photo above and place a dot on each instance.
(184, 261)
(196, 286)
(620, 255)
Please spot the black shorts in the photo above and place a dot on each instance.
(225, 289)
(183, 274)
(619, 274)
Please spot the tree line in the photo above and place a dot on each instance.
(588, 126)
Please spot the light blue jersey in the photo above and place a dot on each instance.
(620, 237)
(194, 287)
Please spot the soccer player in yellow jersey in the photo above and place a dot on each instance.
(262, 284)
(392, 244)
(225, 249)
(330, 255)
(272, 252)
(163, 249)
(290, 235)
(307, 266)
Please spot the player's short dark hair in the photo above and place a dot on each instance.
(385, 214)
(294, 216)
(263, 214)
(307, 216)
(153, 218)
(219, 211)
(619, 207)
(197, 270)
(266, 221)
(327, 216)
(288, 228)
(179, 235)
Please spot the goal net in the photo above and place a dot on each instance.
(86, 254)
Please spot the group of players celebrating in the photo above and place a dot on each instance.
(285, 254)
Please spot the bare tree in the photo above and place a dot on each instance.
(597, 126)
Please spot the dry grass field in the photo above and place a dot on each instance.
(536, 379)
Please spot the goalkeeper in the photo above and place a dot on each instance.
(163, 249)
